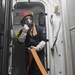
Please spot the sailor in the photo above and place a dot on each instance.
(34, 37)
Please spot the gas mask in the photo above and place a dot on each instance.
(28, 20)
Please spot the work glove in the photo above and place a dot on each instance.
(23, 34)
(25, 28)
(39, 47)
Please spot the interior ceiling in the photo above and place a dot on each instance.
(27, 5)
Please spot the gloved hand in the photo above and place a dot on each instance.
(25, 28)
(39, 47)
(22, 36)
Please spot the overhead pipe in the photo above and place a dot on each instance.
(28, 0)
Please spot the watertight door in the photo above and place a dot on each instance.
(19, 63)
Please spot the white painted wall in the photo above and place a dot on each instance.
(58, 59)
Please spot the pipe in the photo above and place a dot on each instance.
(6, 37)
(28, 0)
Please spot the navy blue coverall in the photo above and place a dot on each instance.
(34, 41)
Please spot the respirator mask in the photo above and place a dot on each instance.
(28, 20)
